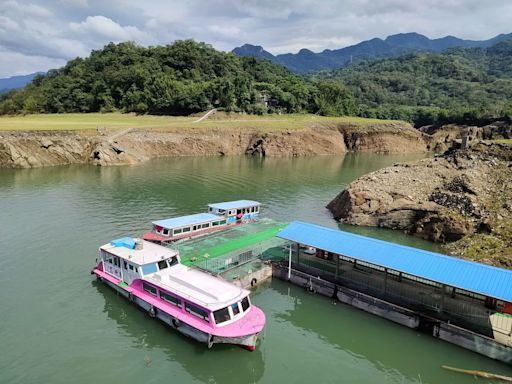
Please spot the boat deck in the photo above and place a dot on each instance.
(196, 251)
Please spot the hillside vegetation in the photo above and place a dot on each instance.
(460, 85)
(177, 79)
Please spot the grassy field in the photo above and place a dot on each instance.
(117, 121)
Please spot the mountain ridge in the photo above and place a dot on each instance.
(392, 46)
(15, 82)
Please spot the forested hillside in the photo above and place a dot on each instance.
(177, 79)
(458, 85)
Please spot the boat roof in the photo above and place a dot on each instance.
(150, 252)
(468, 275)
(184, 221)
(236, 204)
(199, 287)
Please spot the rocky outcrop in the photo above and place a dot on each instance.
(386, 137)
(37, 148)
(459, 197)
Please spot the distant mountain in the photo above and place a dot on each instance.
(15, 82)
(393, 46)
(456, 85)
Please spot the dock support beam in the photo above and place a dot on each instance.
(385, 280)
(443, 292)
(337, 266)
(290, 262)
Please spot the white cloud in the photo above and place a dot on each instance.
(105, 29)
(14, 63)
(63, 29)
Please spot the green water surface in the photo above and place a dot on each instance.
(58, 325)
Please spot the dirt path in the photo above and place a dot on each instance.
(205, 116)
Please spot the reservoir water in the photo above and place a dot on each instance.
(58, 325)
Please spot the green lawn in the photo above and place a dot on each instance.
(115, 121)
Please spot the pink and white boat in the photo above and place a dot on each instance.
(201, 306)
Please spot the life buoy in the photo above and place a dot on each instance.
(254, 281)
(175, 322)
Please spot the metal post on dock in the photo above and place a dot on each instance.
(290, 262)
(337, 266)
(385, 280)
(443, 291)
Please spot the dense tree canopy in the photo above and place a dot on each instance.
(465, 85)
(177, 79)
(459, 85)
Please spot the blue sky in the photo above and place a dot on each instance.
(36, 35)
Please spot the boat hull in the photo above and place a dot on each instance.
(248, 342)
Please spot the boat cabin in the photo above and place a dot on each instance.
(128, 259)
(236, 211)
(219, 216)
(156, 272)
(184, 227)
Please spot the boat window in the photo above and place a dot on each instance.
(136, 270)
(149, 288)
(186, 229)
(170, 299)
(172, 261)
(194, 227)
(215, 223)
(130, 266)
(235, 309)
(165, 232)
(205, 225)
(125, 264)
(177, 231)
(221, 315)
(201, 313)
(256, 209)
(222, 222)
(245, 303)
(162, 264)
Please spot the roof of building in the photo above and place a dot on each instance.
(183, 221)
(470, 276)
(234, 204)
(199, 287)
(149, 253)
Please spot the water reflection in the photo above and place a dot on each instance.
(221, 364)
(375, 343)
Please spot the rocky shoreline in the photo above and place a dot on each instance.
(462, 199)
(31, 149)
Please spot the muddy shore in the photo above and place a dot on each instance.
(30, 149)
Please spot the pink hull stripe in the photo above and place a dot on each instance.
(252, 323)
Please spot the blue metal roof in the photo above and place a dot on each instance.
(126, 242)
(234, 204)
(474, 277)
(183, 221)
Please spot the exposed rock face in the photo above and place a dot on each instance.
(455, 197)
(36, 149)
(392, 137)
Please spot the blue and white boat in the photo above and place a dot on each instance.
(219, 216)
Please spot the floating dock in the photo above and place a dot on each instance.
(456, 300)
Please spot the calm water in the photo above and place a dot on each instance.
(57, 325)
